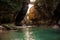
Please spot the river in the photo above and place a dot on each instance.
(31, 34)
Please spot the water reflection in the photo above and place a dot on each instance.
(11, 35)
(31, 34)
(28, 35)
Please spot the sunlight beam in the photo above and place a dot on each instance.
(32, 0)
(30, 5)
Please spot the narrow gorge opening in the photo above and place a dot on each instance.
(26, 20)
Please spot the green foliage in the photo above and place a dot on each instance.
(9, 9)
(13, 4)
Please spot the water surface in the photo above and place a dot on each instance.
(31, 34)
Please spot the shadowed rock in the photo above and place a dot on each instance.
(21, 14)
(56, 16)
(10, 8)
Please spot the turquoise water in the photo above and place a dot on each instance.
(31, 34)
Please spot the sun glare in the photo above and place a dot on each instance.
(30, 5)
(32, 0)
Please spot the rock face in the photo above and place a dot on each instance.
(10, 8)
(56, 16)
(21, 14)
(37, 18)
(43, 11)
